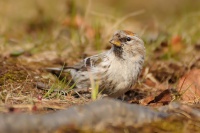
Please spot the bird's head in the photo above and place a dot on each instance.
(127, 44)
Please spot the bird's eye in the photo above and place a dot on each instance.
(128, 39)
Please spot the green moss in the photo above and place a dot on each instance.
(12, 74)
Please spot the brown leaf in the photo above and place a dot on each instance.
(176, 39)
(197, 46)
(34, 108)
(165, 97)
(150, 83)
(176, 44)
(146, 100)
(189, 86)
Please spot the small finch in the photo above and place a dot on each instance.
(115, 70)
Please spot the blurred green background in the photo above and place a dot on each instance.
(14, 14)
(40, 25)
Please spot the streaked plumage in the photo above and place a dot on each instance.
(115, 70)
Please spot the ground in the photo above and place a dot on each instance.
(39, 34)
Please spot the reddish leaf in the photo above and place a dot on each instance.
(189, 86)
(176, 39)
(34, 108)
(165, 97)
(176, 44)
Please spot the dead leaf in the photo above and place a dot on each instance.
(176, 39)
(189, 86)
(146, 100)
(197, 46)
(34, 108)
(150, 83)
(176, 44)
(165, 97)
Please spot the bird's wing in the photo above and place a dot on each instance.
(94, 61)
(88, 63)
(84, 65)
(78, 66)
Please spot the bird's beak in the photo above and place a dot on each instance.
(115, 42)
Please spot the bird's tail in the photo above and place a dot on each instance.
(60, 72)
(50, 69)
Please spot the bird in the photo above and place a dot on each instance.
(116, 70)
